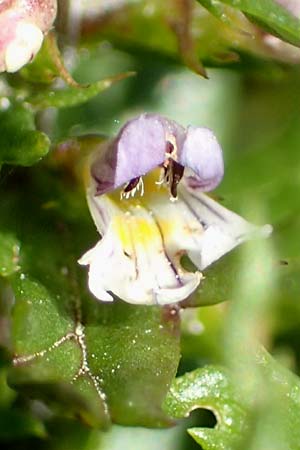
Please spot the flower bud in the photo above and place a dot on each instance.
(293, 6)
(23, 24)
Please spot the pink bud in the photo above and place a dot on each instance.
(23, 24)
(293, 6)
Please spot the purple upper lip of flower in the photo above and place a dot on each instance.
(144, 143)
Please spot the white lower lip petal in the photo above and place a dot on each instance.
(27, 42)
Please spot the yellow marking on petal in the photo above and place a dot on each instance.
(122, 230)
(132, 228)
(134, 231)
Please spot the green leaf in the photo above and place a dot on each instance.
(210, 388)
(280, 415)
(99, 361)
(214, 388)
(20, 142)
(16, 420)
(219, 279)
(270, 15)
(160, 31)
(216, 8)
(49, 65)
(16, 423)
(71, 96)
(167, 31)
(9, 254)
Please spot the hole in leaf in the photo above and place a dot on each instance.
(199, 418)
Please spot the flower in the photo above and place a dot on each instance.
(277, 47)
(145, 194)
(23, 24)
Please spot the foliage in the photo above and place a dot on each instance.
(76, 373)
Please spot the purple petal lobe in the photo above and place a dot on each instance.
(202, 153)
(139, 147)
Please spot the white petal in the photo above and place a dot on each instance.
(132, 262)
(96, 258)
(223, 230)
(138, 258)
(24, 47)
(201, 227)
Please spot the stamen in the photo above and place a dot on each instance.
(132, 184)
(169, 149)
(172, 171)
(132, 187)
(163, 175)
(141, 186)
(175, 173)
(171, 146)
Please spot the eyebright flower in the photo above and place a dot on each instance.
(145, 194)
(23, 24)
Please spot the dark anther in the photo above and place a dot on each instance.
(169, 147)
(175, 174)
(132, 184)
